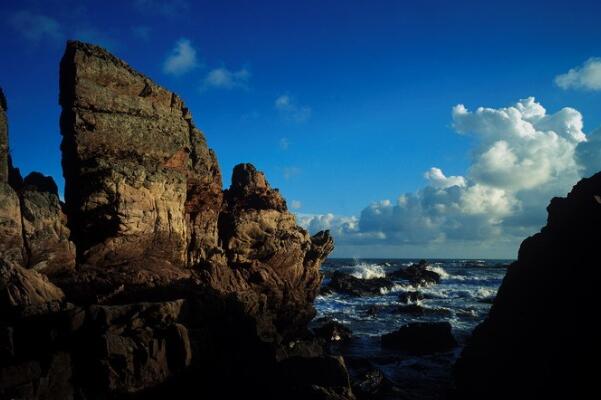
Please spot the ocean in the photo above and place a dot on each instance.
(463, 298)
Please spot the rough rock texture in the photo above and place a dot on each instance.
(538, 335)
(163, 284)
(140, 180)
(45, 233)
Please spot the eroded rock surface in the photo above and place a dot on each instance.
(152, 280)
(534, 344)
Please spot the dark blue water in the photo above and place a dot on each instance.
(463, 298)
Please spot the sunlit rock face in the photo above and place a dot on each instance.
(540, 329)
(141, 182)
(151, 279)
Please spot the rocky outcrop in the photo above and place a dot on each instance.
(534, 344)
(46, 236)
(151, 280)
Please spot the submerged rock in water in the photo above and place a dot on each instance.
(155, 280)
(411, 297)
(421, 338)
(348, 284)
(531, 345)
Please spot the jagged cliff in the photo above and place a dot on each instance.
(540, 332)
(150, 278)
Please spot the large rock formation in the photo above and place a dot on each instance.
(159, 282)
(538, 339)
(141, 183)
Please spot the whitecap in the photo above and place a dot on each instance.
(368, 271)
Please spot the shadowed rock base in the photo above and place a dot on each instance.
(537, 340)
(151, 281)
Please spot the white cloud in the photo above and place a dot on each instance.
(522, 158)
(290, 110)
(587, 76)
(296, 204)
(182, 58)
(223, 78)
(35, 27)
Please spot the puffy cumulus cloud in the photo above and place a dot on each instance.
(223, 78)
(522, 157)
(182, 58)
(291, 110)
(588, 154)
(35, 27)
(587, 76)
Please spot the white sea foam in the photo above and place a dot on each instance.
(439, 270)
(368, 271)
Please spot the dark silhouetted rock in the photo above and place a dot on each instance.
(333, 331)
(417, 273)
(348, 284)
(531, 345)
(421, 338)
(411, 297)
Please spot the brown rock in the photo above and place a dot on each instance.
(47, 243)
(130, 153)
(26, 290)
(4, 154)
(11, 228)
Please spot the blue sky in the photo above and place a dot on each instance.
(343, 104)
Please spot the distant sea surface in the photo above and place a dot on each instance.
(463, 297)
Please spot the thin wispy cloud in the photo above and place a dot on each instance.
(36, 27)
(295, 204)
(182, 58)
(587, 76)
(290, 110)
(223, 78)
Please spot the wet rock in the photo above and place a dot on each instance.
(523, 350)
(410, 297)
(421, 338)
(418, 274)
(333, 331)
(348, 284)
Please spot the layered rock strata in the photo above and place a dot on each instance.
(151, 280)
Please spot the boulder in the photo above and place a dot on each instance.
(333, 331)
(526, 348)
(348, 284)
(417, 273)
(421, 338)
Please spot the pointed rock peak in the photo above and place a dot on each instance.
(246, 178)
(250, 190)
(40, 183)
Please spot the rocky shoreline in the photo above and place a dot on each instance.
(150, 280)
